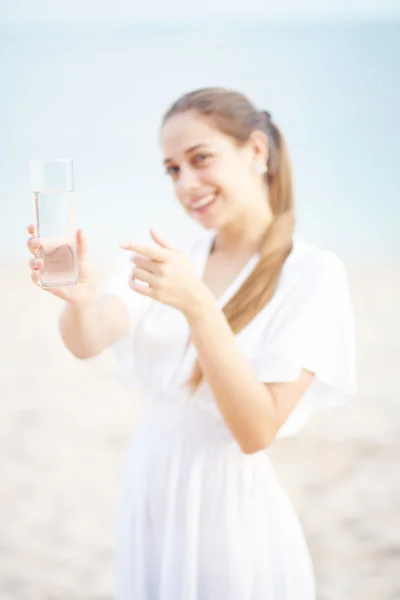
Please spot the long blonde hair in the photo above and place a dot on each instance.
(233, 114)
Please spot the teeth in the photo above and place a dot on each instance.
(202, 202)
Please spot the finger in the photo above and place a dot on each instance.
(35, 276)
(141, 289)
(153, 252)
(36, 264)
(145, 263)
(81, 245)
(34, 244)
(145, 276)
(31, 229)
(160, 240)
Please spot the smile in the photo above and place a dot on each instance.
(203, 202)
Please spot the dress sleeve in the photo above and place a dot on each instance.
(313, 329)
(118, 285)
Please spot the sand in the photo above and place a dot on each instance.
(64, 424)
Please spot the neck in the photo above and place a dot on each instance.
(246, 232)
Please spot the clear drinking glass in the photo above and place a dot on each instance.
(52, 185)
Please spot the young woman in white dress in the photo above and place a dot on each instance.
(235, 339)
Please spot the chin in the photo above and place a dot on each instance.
(208, 219)
(215, 221)
(207, 224)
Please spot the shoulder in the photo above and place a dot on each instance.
(312, 277)
(312, 293)
(309, 264)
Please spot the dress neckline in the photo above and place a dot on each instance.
(189, 352)
(237, 281)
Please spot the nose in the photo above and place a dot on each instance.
(188, 180)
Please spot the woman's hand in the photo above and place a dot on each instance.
(81, 293)
(168, 275)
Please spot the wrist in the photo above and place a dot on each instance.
(203, 304)
(86, 294)
(83, 303)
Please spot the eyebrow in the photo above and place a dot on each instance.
(167, 160)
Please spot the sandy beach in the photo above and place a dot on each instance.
(64, 424)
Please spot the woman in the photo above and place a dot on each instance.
(234, 339)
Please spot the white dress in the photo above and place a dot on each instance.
(198, 519)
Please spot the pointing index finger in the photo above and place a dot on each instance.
(152, 252)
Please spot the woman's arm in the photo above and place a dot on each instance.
(253, 411)
(89, 328)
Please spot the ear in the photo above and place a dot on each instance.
(160, 241)
(258, 145)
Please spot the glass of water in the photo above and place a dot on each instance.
(52, 185)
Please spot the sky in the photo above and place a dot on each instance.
(100, 98)
(170, 10)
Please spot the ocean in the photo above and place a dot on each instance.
(97, 93)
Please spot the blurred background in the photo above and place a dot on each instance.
(91, 80)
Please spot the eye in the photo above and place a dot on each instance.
(172, 171)
(201, 158)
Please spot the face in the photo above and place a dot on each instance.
(214, 178)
